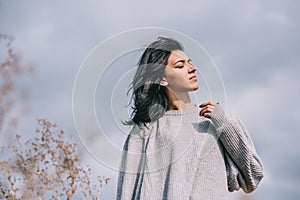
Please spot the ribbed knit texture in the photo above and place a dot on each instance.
(185, 156)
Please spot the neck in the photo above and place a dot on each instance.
(179, 101)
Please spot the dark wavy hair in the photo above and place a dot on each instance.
(149, 96)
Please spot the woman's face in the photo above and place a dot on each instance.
(180, 73)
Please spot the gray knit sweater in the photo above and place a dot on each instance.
(185, 156)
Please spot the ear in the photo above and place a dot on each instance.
(163, 82)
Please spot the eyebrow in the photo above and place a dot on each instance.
(189, 60)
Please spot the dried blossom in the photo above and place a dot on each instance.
(11, 68)
(46, 166)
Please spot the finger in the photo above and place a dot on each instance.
(210, 107)
(206, 114)
(207, 109)
(206, 104)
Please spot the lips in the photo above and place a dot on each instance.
(193, 77)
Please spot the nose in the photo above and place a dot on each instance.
(192, 69)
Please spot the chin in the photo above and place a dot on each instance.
(195, 88)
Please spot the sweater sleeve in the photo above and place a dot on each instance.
(243, 165)
(130, 170)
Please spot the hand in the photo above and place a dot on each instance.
(207, 108)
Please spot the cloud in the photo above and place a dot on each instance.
(270, 115)
(255, 44)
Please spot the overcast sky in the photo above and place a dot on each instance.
(255, 44)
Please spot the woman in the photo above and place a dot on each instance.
(177, 150)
